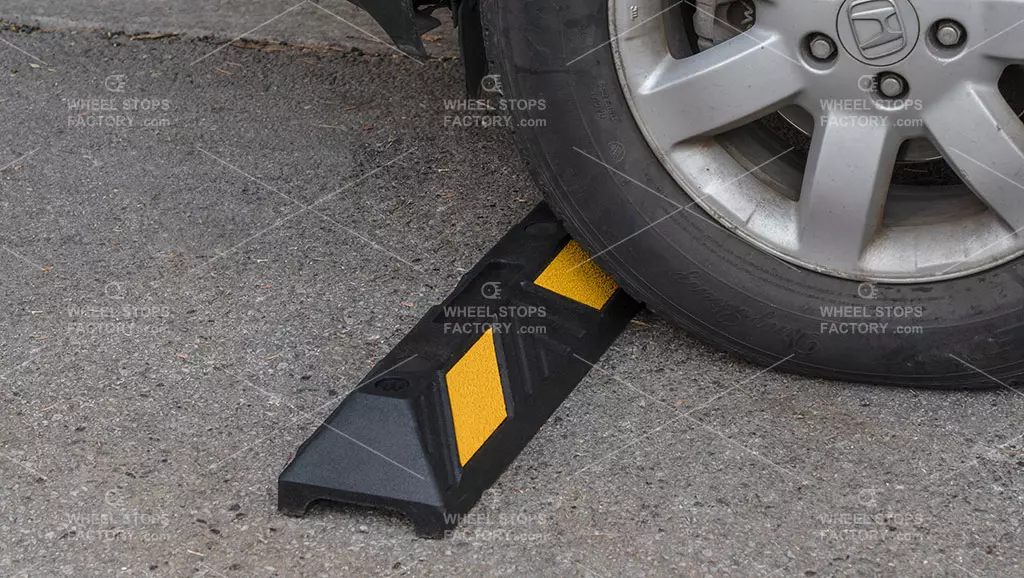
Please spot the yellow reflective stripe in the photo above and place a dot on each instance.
(476, 397)
(571, 274)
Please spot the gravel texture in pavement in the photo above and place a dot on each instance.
(204, 248)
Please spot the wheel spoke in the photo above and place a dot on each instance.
(849, 170)
(1002, 35)
(980, 136)
(726, 86)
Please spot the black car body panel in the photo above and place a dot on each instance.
(400, 20)
(406, 20)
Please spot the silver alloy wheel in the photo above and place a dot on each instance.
(838, 224)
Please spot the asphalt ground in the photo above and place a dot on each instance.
(175, 323)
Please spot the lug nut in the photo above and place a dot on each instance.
(949, 33)
(822, 47)
(892, 85)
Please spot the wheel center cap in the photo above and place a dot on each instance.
(878, 32)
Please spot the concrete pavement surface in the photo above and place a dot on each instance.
(204, 248)
(326, 22)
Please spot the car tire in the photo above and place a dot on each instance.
(594, 166)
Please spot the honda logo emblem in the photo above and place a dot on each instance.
(878, 28)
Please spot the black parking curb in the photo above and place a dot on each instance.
(439, 419)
